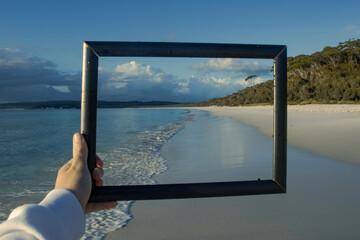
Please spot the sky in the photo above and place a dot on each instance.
(41, 44)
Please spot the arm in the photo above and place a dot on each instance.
(61, 214)
(58, 216)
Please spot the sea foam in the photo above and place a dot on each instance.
(134, 163)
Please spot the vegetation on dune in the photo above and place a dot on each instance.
(329, 76)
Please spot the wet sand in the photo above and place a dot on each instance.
(322, 198)
(327, 130)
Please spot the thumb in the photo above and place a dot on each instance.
(80, 150)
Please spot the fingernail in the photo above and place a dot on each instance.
(77, 138)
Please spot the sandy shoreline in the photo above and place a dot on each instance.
(327, 130)
(320, 202)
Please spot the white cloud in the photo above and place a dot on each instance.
(215, 64)
(230, 64)
(133, 69)
(63, 89)
(183, 87)
(228, 81)
(117, 84)
(129, 71)
(137, 81)
(215, 81)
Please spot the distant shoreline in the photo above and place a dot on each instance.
(127, 104)
(330, 130)
(77, 104)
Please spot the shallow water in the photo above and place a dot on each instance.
(35, 144)
(215, 148)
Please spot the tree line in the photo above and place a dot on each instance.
(329, 76)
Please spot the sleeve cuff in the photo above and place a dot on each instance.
(66, 206)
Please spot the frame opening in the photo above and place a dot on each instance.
(94, 50)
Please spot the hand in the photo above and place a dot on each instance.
(75, 177)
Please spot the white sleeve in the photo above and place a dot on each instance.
(58, 216)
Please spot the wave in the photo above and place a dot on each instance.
(133, 163)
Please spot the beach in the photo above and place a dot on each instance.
(323, 174)
(327, 130)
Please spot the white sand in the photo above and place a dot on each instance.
(332, 131)
(322, 198)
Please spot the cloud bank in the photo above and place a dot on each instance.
(28, 78)
(137, 81)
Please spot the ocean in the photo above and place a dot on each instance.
(34, 144)
(149, 146)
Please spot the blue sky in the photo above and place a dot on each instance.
(41, 44)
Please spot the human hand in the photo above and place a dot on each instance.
(75, 177)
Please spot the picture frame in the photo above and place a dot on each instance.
(92, 50)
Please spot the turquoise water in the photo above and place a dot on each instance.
(34, 144)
